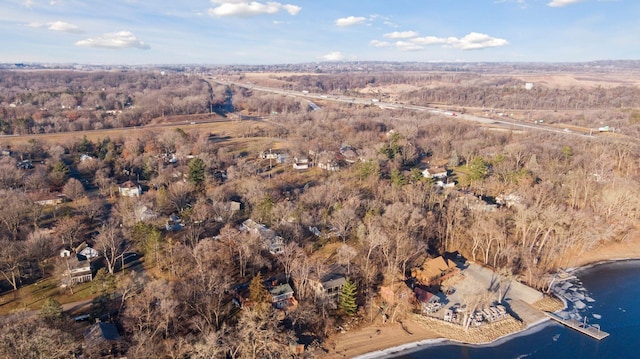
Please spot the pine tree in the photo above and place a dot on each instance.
(51, 310)
(347, 298)
(196, 171)
(258, 293)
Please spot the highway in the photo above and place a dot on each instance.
(510, 124)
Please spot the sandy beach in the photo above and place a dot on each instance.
(376, 340)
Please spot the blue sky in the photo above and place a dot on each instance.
(296, 31)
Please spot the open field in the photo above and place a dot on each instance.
(235, 132)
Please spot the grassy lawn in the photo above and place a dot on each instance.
(32, 296)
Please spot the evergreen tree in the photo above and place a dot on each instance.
(196, 171)
(148, 239)
(478, 170)
(347, 298)
(397, 178)
(51, 310)
(258, 293)
(416, 176)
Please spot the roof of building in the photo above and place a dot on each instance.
(335, 282)
(424, 296)
(434, 267)
(101, 332)
(129, 184)
(281, 289)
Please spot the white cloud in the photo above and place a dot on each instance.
(474, 41)
(28, 3)
(408, 46)
(114, 40)
(240, 8)
(562, 3)
(350, 21)
(333, 56)
(292, 9)
(429, 40)
(378, 43)
(400, 34)
(390, 24)
(64, 27)
(58, 26)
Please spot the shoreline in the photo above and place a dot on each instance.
(616, 252)
(419, 345)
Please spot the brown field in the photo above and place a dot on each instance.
(554, 80)
(581, 80)
(232, 132)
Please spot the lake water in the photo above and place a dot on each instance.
(615, 292)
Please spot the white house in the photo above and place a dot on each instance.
(301, 163)
(437, 172)
(130, 189)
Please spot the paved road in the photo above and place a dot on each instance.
(511, 124)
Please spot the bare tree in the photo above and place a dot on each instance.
(344, 219)
(39, 247)
(91, 208)
(11, 261)
(29, 338)
(69, 230)
(20, 205)
(111, 244)
(291, 252)
(346, 254)
(73, 189)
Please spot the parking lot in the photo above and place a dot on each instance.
(478, 287)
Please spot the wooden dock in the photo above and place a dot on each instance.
(589, 330)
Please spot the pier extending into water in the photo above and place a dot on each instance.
(590, 330)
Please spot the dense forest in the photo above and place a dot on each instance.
(181, 277)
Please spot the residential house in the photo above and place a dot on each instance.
(436, 173)
(88, 253)
(144, 213)
(48, 198)
(509, 200)
(328, 161)
(301, 163)
(434, 270)
(279, 157)
(270, 240)
(79, 270)
(479, 203)
(79, 263)
(103, 339)
(329, 165)
(332, 284)
(282, 296)
(445, 183)
(348, 154)
(130, 189)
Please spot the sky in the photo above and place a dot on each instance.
(216, 32)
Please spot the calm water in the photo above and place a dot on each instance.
(616, 290)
